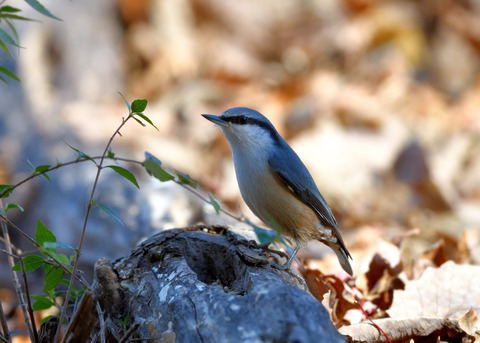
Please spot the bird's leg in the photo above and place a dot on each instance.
(292, 257)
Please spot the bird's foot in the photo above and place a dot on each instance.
(286, 268)
(252, 244)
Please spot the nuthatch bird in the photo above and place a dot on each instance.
(276, 185)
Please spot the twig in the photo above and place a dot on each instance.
(84, 228)
(29, 302)
(6, 332)
(16, 282)
(78, 160)
(130, 331)
(12, 225)
(101, 321)
(60, 165)
(198, 195)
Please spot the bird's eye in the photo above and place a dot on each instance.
(242, 120)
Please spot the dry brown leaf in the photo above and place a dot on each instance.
(341, 298)
(446, 292)
(471, 324)
(418, 329)
(315, 283)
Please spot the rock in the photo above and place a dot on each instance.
(199, 284)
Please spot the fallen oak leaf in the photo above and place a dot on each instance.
(471, 323)
(341, 298)
(406, 329)
(446, 292)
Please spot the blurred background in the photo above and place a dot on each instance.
(379, 98)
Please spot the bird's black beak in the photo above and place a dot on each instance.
(215, 119)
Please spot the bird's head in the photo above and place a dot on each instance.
(245, 128)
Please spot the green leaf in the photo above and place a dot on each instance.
(9, 73)
(5, 190)
(139, 105)
(14, 30)
(128, 104)
(62, 258)
(3, 80)
(108, 211)
(144, 117)
(4, 36)
(153, 158)
(12, 205)
(15, 16)
(265, 236)
(52, 279)
(139, 121)
(9, 9)
(125, 173)
(43, 235)
(186, 180)
(42, 302)
(39, 7)
(31, 262)
(15, 332)
(41, 170)
(154, 168)
(46, 318)
(274, 224)
(215, 203)
(5, 48)
(80, 154)
(47, 267)
(110, 153)
(55, 245)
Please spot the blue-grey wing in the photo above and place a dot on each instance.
(293, 173)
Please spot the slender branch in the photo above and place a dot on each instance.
(198, 195)
(29, 302)
(6, 337)
(130, 331)
(45, 252)
(84, 228)
(60, 165)
(78, 160)
(16, 282)
(12, 225)
(101, 320)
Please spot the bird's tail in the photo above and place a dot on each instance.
(342, 255)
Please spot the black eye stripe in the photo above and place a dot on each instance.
(244, 120)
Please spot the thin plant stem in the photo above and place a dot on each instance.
(3, 320)
(12, 225)
(29, 302)
(16, 282)
(198, 195)
(84, 228)
(60, 165)
(101, 321)
(130, 331)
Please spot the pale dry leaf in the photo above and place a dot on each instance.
(445, 292)
(470, 323)
(424, 329)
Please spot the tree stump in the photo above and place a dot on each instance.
(200, 284)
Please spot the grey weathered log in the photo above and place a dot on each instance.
(200, 285)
